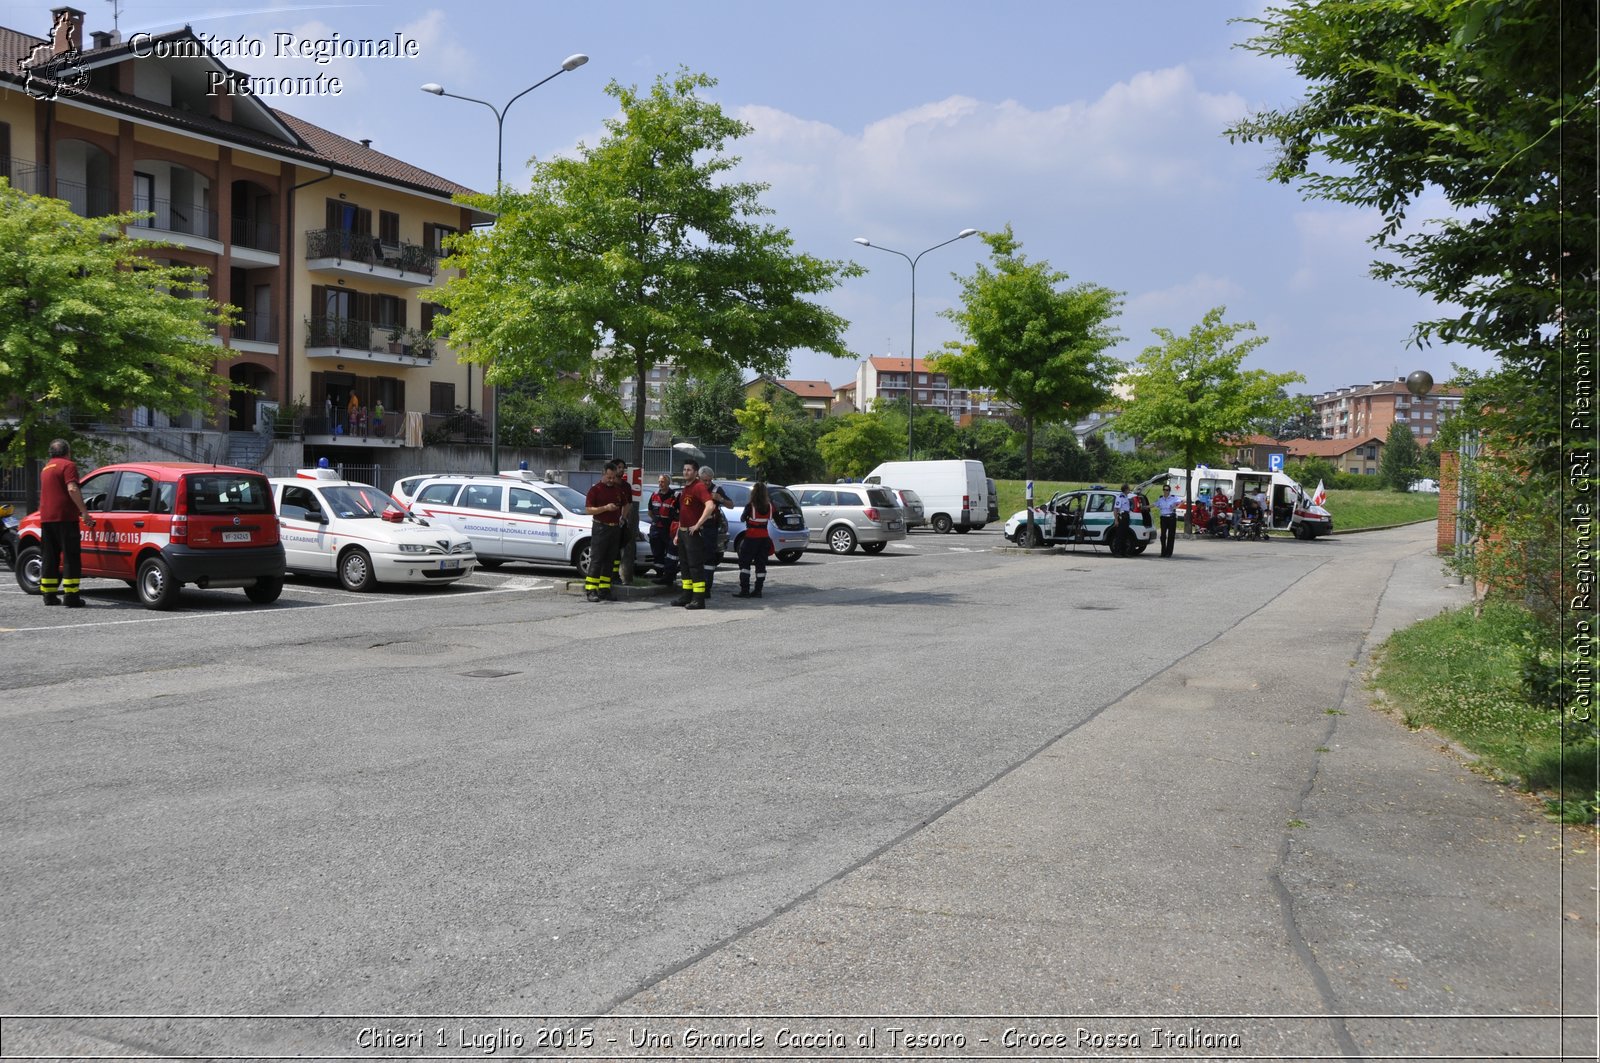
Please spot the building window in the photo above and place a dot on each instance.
(388, 228)
(441, 397)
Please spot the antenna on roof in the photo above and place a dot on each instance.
(116, 13)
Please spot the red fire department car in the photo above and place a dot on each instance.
(160, 525)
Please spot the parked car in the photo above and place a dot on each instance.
(788, 525)
(911, 502)
(336, 527)
(160, 525)
(1084, 516)
(954, 492)
(515, 517)
(841, 516)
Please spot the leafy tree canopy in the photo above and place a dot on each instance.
(639, 250)
(1190, 392)
(90, 324)
(1038, 345)
(1402, 458)
(857, 442)
(702, 407)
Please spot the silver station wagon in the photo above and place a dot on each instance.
(841, 516)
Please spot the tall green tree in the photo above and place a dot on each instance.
(857, 442)
(1401, 458)
(702, 407)
(784, 438)
(90, 324)
(1491, 104)
(1190, 392)
(635, 251)
(1037, 344)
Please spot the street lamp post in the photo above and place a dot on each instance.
(911, 366)
(571, 62)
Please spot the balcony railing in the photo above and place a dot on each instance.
(177, 217)
(261, 235)
(262, 328)
(369, 250)
(87, 201)
(360, 335)
(26, 175)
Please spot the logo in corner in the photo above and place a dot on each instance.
(55, 69)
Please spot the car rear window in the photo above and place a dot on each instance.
(738, 494)
(216, 492)
(881, 496)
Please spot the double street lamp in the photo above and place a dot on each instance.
(571, 62)
(911, 365)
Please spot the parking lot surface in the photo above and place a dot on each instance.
(939, 781)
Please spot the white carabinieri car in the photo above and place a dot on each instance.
(334, 527)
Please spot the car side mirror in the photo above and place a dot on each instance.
(548, 512)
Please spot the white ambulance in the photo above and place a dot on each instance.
(1289, 506)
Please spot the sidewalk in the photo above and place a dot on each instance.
(1239, 857)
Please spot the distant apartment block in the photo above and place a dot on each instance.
(1363, 410)
(893, 378)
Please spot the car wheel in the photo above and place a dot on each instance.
(266, 590)
(157, 589)
(355, 570)
(942, 523)
(1139, 548)
(977, 527)
(789, 557)
(842, 540)
(1299, 531)
(874, 548)
(490, 563)
(580, 558)
(1029, 535)
(963, 529)
(30, 568)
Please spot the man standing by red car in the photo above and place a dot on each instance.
(60, 506)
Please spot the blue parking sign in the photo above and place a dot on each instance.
(1275, 462)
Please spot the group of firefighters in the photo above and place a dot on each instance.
(684, 528)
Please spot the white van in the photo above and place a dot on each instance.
(1289, 506)
(955, 494)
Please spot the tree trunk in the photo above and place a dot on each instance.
(630, 522)
(1027, 468)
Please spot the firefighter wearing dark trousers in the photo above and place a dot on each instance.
(60, 507)
(606, 503)
(757, 541)
(695, 507)
(663, 510)
(711, 531)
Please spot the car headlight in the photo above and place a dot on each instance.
(462, 548)
(413, 548)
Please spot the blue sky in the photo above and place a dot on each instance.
(1093, 128)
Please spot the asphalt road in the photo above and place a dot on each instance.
(942, 781)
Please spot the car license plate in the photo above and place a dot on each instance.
(235, 537)
(893, 524)
(449, 566)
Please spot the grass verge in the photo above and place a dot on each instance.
(1461, 675)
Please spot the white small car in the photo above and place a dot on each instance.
(334, 527)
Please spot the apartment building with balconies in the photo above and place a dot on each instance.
(328, 248)
(1362, 410)
(893, 378)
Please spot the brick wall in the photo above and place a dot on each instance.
(1449, 484)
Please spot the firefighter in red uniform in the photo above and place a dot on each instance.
(606, 502)
(663, 510)
(695, 507)
(757, 541)
(60, 506)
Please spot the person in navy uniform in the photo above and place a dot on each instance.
(1167, 506)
